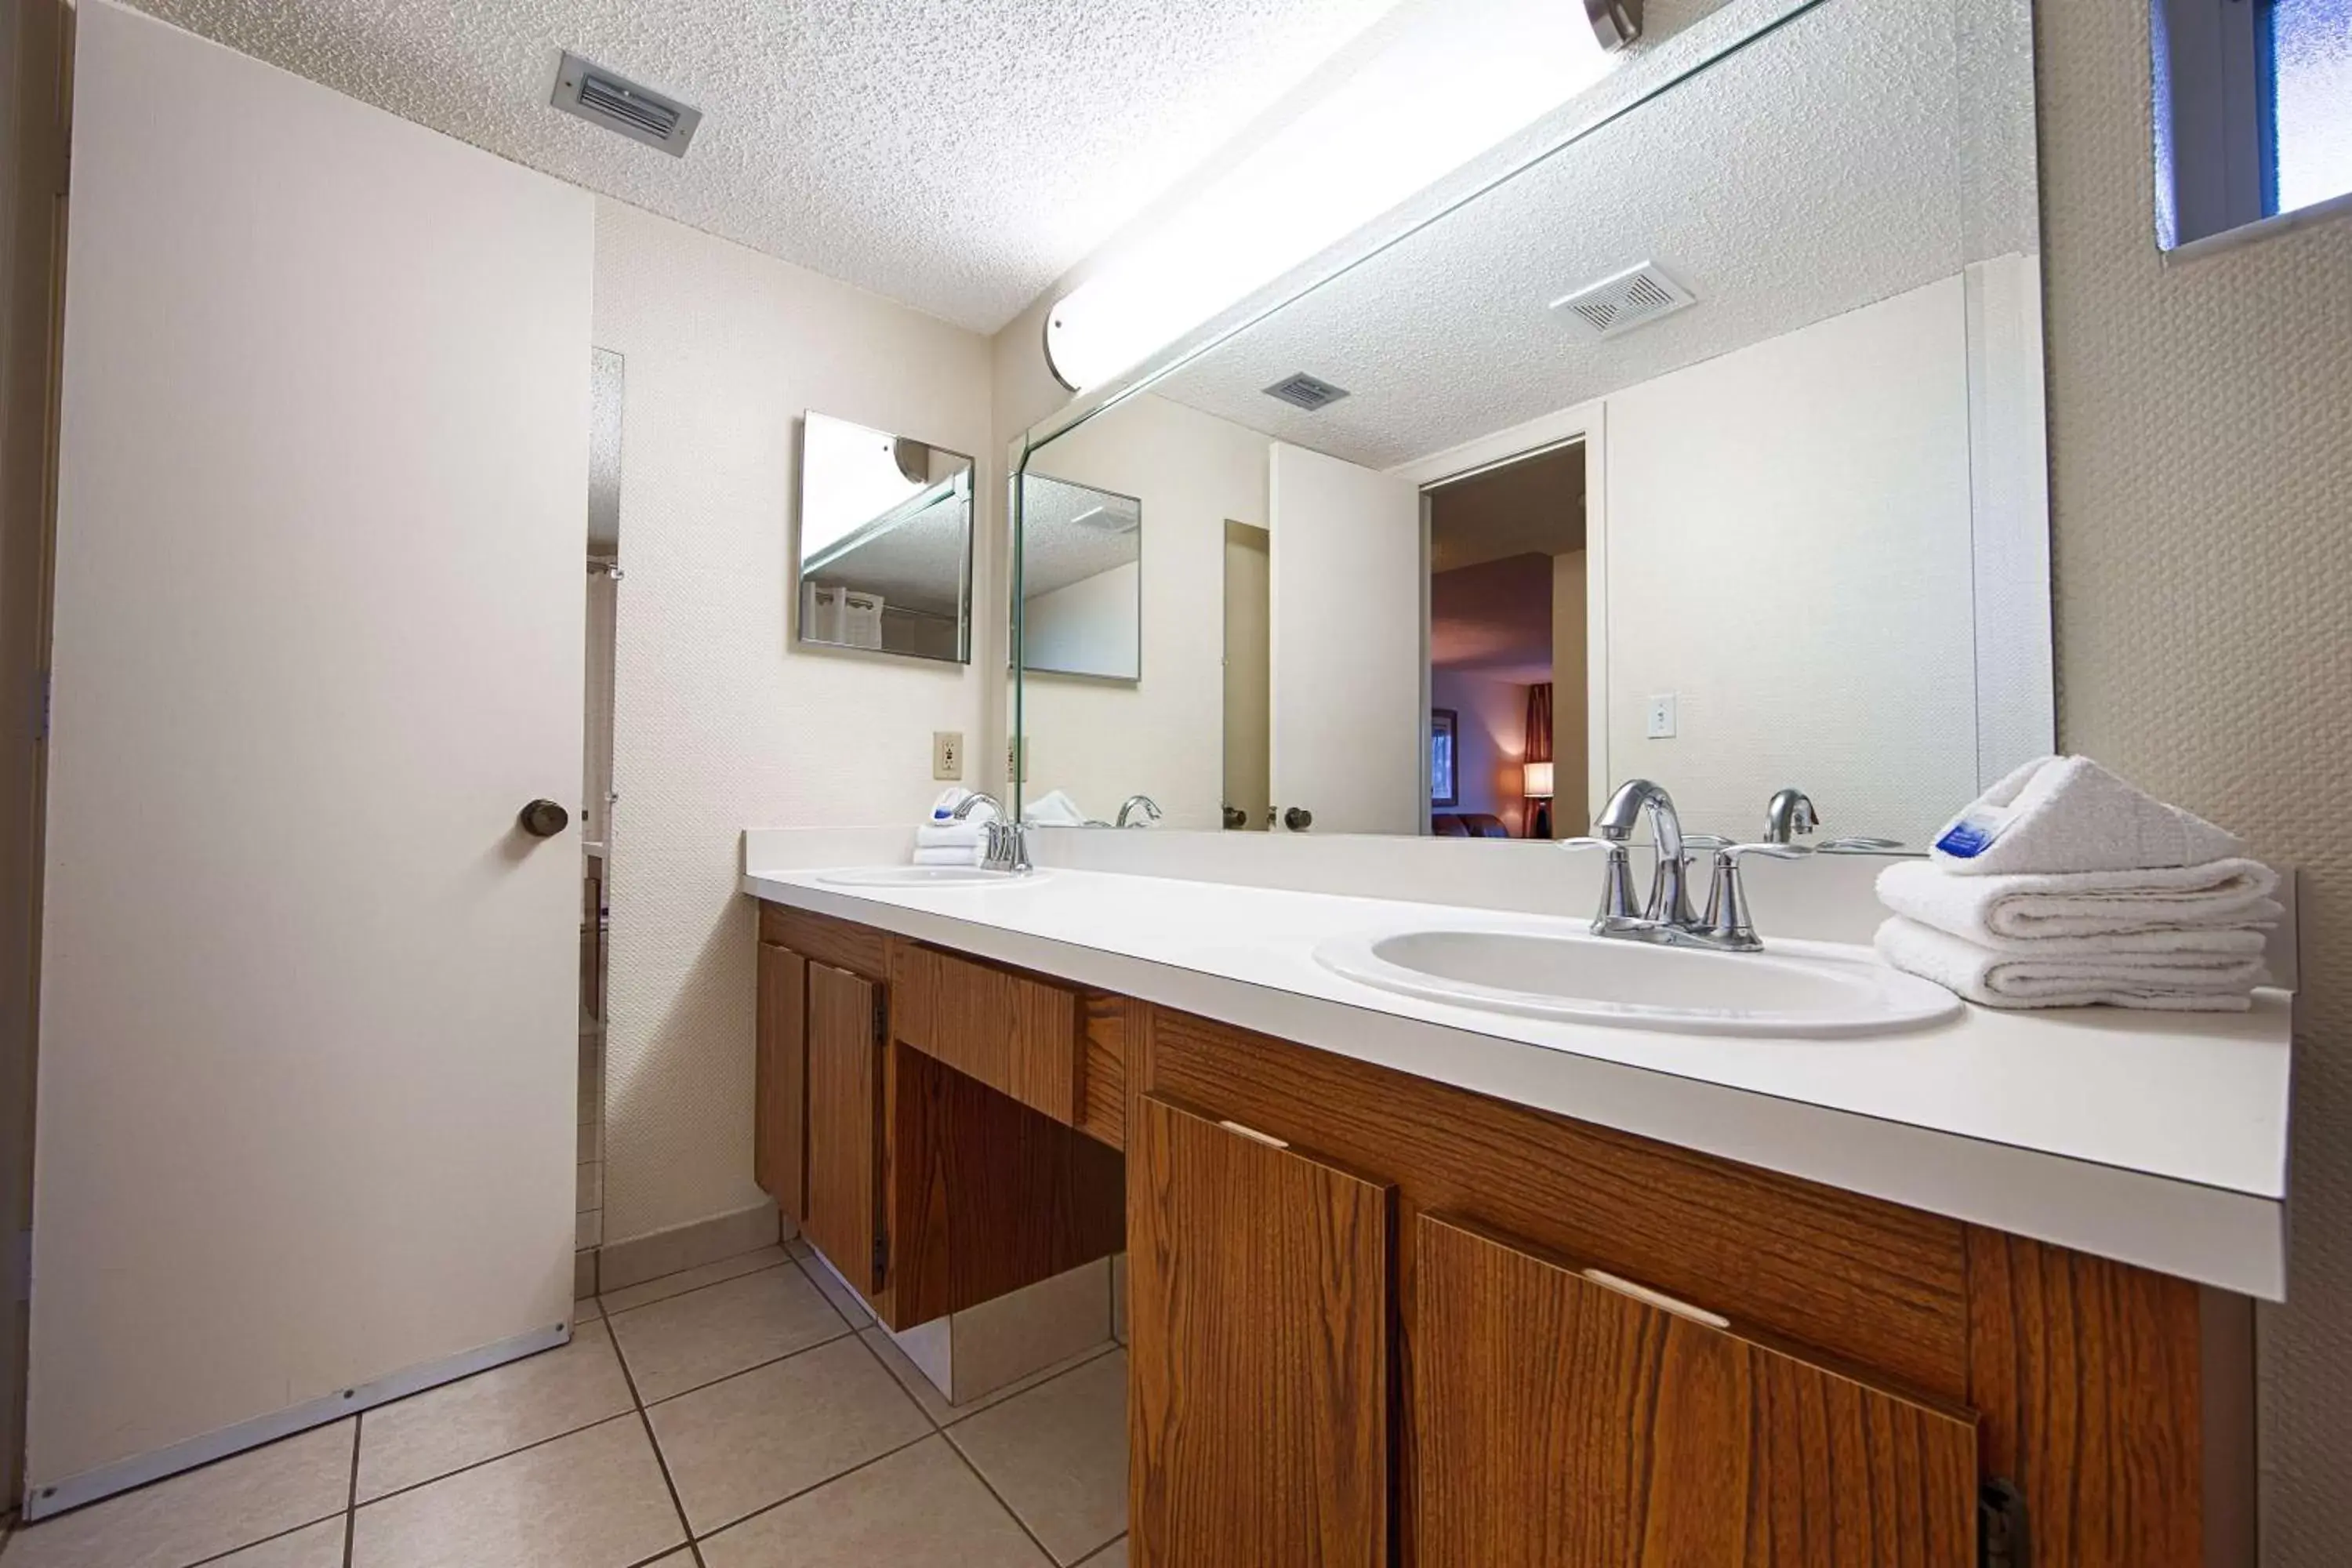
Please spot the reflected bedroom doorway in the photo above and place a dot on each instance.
(1506, 649)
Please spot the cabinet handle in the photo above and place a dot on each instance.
(1268, 1139)
(1658, 1299)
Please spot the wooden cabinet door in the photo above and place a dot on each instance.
(780, 1093)
(1563, 1421)
(845, 1122)
(1258, 1300)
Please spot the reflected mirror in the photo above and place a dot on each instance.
(885, 542)
(1707, 448)
(1081, 580)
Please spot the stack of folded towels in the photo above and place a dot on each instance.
(942, 840)
(2065, 886)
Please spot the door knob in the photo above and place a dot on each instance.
(1298, 819)
(543, 819)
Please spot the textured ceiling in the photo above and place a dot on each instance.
(1860, 150)
(919, 563)
(1072, 531)
(955, 155)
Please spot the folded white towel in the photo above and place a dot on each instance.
(2216, 908)
(2068, 814)
(950, 855)
(1053, 809)
(950, 835)
(2183, 982)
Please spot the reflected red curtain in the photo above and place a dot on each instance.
(1536, 813)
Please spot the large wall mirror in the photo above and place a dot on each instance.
(1707, 448)
(1081, 581)
(885, 542)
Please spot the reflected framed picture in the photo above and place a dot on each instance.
(1441, 784)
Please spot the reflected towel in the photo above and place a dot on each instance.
(2215, 908)
(2181, 981)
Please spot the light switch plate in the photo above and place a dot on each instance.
(1662, 717)
(947, 754)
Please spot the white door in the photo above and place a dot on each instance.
(1349, 594)
(307, 1088)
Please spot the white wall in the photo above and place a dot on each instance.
(1788, 551)
(1088, 627)
(1163, 735)
(721, 722)
(1490, 737)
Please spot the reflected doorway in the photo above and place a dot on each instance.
(1506, 649)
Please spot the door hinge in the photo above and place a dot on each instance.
(881, 1257)
(2000, 1525)
(881, 1018)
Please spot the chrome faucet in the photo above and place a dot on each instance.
(1668, 918)
(1004, 845)
(1636, 799)
(1151, 809)
(1789, 813)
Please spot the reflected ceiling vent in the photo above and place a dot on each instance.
(1307, 392)
(616, 103)
(1633, 298)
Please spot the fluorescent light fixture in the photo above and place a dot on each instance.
(1448, 79)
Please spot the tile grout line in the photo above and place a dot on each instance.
(989, 1487)
(645, 1423)
(222, 1556)
(756, 1366)
(689, 1291)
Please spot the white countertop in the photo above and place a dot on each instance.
(2158, 1139)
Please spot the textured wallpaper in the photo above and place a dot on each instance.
(721, 723)
(2201, 449)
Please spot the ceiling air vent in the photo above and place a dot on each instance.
(1619, 305)
(1307, 392)
(616, 103)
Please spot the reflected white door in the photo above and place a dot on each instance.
(1349, 593)
(309, 1023)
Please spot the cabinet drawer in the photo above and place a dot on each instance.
(845, 944)
(1019, 1036)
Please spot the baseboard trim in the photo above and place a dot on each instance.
(621, 1264)
(41, 1501)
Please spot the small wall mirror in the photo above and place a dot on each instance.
(1081, 580)
(885, 542)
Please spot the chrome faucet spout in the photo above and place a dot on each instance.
(1670, 904)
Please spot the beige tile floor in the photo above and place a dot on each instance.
(746, 1414)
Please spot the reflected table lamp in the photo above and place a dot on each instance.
(1534, 782)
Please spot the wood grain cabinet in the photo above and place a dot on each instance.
(846, 1040)
(1258, 1294)
(780, 1086)
(1563, 1418)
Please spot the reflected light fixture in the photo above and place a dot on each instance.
(1535, 781)
(1443, 82)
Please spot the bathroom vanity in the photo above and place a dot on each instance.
(1412, 1283)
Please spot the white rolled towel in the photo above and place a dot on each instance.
(950, 834)
(2068, 814)
(1053, 809)
(950, 855)
(2171, 981)
(2219, 907)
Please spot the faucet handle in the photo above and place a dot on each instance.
(1858, 846)
(1706, 841)
(1727, 853)
(1586, 841)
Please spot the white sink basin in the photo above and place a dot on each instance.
(1811, 989)
(923, 877)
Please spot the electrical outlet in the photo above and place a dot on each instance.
(1016, 760)
(947, 753)
(1662, 717)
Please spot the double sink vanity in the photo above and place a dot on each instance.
(1425, 1274)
